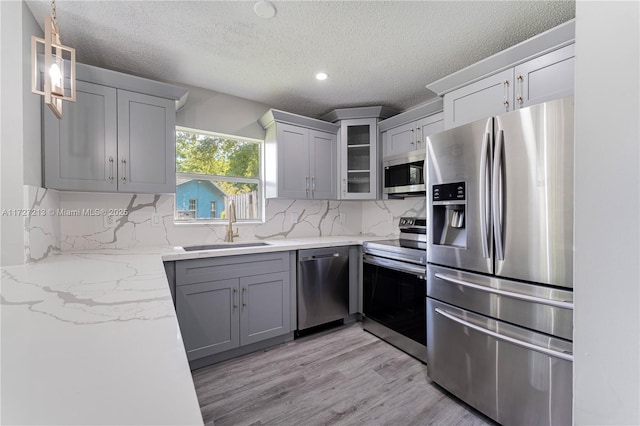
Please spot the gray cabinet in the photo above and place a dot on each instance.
(146, 143)
(399, 140)
(323, 165)
(428, 126)
(301, 160)
(81, 149)
(547, 77)
(227, 302)
(209, 314)
(355, 280)
(358, 152)
(536, 70)
(410, 136)
(112, 139)
(490, 96)
(306, 163)
(359, 159)
(264, 308)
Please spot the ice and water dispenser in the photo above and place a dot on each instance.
(449, 204)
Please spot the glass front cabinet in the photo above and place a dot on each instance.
(359, 159)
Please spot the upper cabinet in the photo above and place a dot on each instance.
(408, 131)
(550, 76)
(537, 70)
(119, 135)
(359, 158)
(301, 159)
(358, 151)
(490, 96)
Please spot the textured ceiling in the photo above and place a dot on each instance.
(375, 52)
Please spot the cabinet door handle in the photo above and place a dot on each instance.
(244, 292)
(344, 186)
(306, 184)
(313, 186)
(235, 298)
(110, 169)
(124, 170)
(418, 137)
(506, 94)
(521, 81)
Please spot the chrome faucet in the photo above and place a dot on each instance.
(231, 215)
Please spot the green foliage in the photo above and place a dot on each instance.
(216, 155)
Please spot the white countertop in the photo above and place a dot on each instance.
(272, 246)
(92, 337)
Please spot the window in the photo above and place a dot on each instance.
(211, 170)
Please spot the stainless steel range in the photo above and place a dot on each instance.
(394, 288)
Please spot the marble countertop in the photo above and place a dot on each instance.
(92, 337)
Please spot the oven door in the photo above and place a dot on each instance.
(394, 297)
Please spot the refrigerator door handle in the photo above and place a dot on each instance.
(497, 196)
(484, 202)
(556, 354)
(524, 297)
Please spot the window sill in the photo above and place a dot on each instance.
(202, 223)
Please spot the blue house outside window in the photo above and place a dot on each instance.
(198, 199)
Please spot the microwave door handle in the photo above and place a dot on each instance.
(484, 184)
(567, 356)
(497, 196)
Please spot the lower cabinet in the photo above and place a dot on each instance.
(216, 315)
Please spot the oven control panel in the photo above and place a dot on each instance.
(413, 221)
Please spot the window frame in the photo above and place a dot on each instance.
(260, 181)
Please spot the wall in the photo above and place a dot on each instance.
(32, 106)
(69, 229)
(217, 112)
(607, 215)
(19, 125)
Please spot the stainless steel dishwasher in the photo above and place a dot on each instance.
(323, 286)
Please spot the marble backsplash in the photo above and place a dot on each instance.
(41, 223)
(77, 221)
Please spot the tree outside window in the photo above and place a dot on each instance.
(213, 169)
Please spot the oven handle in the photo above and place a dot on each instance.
(525, 297)
(556, 354)
(395, 265)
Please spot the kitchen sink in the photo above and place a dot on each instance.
(225, 246)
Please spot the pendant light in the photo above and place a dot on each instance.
(53, 66)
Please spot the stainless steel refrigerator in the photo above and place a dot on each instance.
(500, 263)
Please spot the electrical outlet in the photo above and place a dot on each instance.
(390, 217)
(294, 217)
(343, 217)
(109, 221)
(156, 219)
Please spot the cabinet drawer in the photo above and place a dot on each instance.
(221, 268)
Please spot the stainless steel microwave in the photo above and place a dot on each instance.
(404, 174)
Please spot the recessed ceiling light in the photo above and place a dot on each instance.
(321, 76)
(264, 9)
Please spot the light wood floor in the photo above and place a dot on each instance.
(341, 377)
